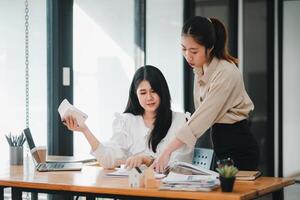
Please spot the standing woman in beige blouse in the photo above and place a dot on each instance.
(221, 100)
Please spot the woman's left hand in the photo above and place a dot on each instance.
(134, 161)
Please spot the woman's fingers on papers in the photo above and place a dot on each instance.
(72, 122)
(133, 161)
(161, 162)
(161, 169)
(69, 122)
(75, 122)
(120, 162)
(128, 162)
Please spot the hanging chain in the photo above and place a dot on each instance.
(27, 78)
(27, 61)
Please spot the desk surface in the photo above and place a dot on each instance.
(93, 180)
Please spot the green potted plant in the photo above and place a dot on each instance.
(227, 172)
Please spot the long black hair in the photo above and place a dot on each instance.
(159, 84)
(211, 33)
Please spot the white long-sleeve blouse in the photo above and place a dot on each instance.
(130, 136)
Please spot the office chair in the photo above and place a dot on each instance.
(203, 157)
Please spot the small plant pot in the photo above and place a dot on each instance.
(227, 183)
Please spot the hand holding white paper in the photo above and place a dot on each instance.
(66, 109)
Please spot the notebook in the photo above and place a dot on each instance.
(53, 166)
(247, 175)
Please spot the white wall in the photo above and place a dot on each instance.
(291, 92)
(163, 49)
(12, 70)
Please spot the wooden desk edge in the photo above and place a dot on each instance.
(134, 192)
(287, 182)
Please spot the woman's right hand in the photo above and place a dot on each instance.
(160, 164)
(72, 124)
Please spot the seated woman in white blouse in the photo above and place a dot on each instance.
(145, 127)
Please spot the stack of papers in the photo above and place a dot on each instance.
(66, 109)
(175, 181)
(185, 176)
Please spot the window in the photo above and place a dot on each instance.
(163, 48)
(103, 63)
(12, 70)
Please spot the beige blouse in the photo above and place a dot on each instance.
(219, 97)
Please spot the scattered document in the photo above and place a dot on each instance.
(66, 109)
(123, 172)
(190, 169)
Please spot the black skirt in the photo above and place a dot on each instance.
(235, 141)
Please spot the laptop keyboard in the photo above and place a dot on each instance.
(49, 166)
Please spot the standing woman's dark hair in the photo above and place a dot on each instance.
(163, 113)
(211, 33)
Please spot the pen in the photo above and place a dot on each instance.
(138, 169)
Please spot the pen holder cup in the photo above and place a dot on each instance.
(16, 155)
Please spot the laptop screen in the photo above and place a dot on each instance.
(29, 138)
(31, 145)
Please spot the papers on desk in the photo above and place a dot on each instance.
(190, 169)
(123, 172)
(175, 181)
(188, 177)
(84, 158)
(175, 178)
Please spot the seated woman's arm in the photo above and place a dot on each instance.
(107, 155)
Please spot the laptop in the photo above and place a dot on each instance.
(45, 166)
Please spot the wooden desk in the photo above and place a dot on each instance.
(91, 182)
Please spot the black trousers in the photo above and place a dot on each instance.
(235, 141)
